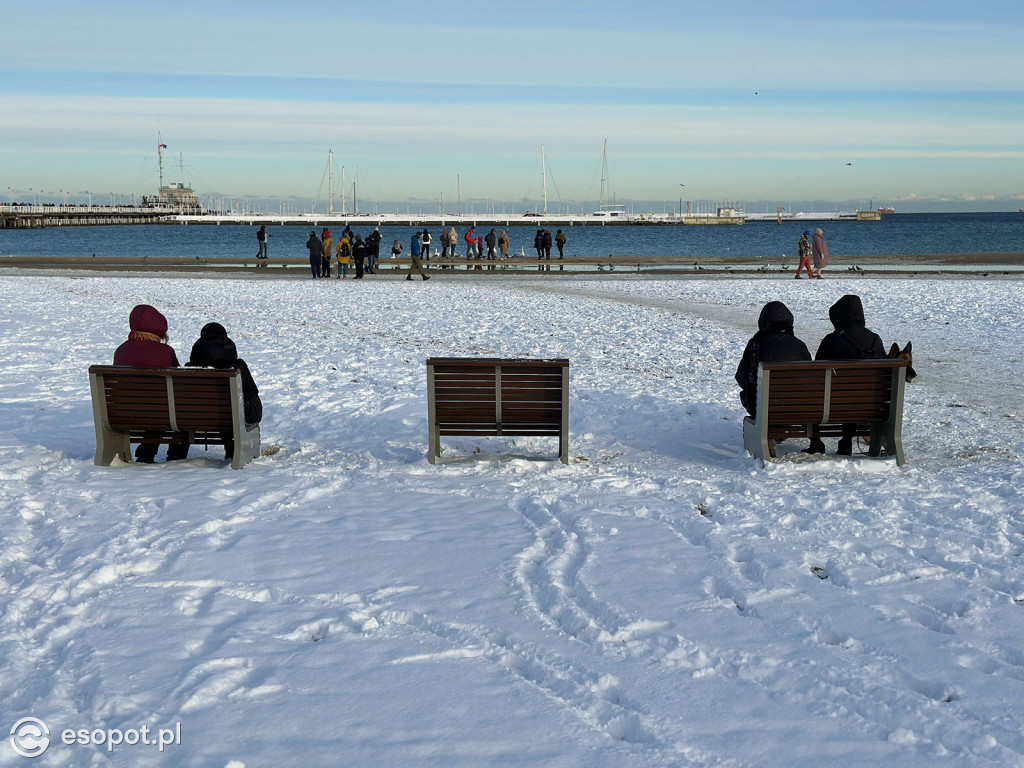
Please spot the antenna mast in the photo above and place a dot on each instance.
(160, 157)
(544, 178)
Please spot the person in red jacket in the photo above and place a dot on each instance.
(146, 347)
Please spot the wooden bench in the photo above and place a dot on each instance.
(798, 399)
(198, 406)
(491, 397)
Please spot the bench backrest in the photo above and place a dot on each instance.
(830, 391)
(498, 396)
(166, 399)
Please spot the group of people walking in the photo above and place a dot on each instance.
(813, 255)
(776, 342)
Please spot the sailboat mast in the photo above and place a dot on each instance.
(343, 208)
(544, 178)
(330, 181)
(604, 173)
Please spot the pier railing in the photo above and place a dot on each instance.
(38, 216)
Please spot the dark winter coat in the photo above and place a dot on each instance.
(773, 342)
(850, 340)
(315, 246)
(373, 243)
(144, 347)
(214, 349)
(359, 251)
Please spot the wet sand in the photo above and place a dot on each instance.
(981, 264)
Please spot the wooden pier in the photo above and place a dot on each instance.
(40, 216)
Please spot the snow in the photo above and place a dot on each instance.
(664, 600)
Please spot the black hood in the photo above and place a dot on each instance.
(214, 349)
(213, 331)
(775, 318)
(846, 312)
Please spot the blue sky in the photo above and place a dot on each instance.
(915, 103)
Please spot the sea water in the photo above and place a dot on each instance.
(895, 235)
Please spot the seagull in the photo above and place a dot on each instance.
(849, 163)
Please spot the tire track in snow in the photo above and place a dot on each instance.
(871, 693)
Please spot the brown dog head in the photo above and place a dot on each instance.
(905, 354)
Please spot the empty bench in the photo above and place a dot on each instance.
(798, 399)
(491, 397)
(198, 406)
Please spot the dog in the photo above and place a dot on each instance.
(905, 354)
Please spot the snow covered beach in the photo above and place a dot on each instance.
(664, 600)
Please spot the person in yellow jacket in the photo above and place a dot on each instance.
(325, 270)
(344, 254)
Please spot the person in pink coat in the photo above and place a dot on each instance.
(819, 252)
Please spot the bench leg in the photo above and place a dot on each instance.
(247, 448)
(755, 439)
(884, 436)
(433, 443)
(110, 444)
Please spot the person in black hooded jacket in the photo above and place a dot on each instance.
(773, 342)
(214, 349)
(851, 340)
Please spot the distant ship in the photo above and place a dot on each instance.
(888, 209)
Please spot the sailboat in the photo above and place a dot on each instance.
(610, 210)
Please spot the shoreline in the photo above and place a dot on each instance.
(1009, 265)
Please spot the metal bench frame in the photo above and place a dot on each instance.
(494, 397)
(168, 406)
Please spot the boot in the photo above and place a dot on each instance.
(845, 447)
(816, 446)
(408, 277)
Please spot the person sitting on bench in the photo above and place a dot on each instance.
(147, 347)
(213, 349)
(774, 342)
(851, 340)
